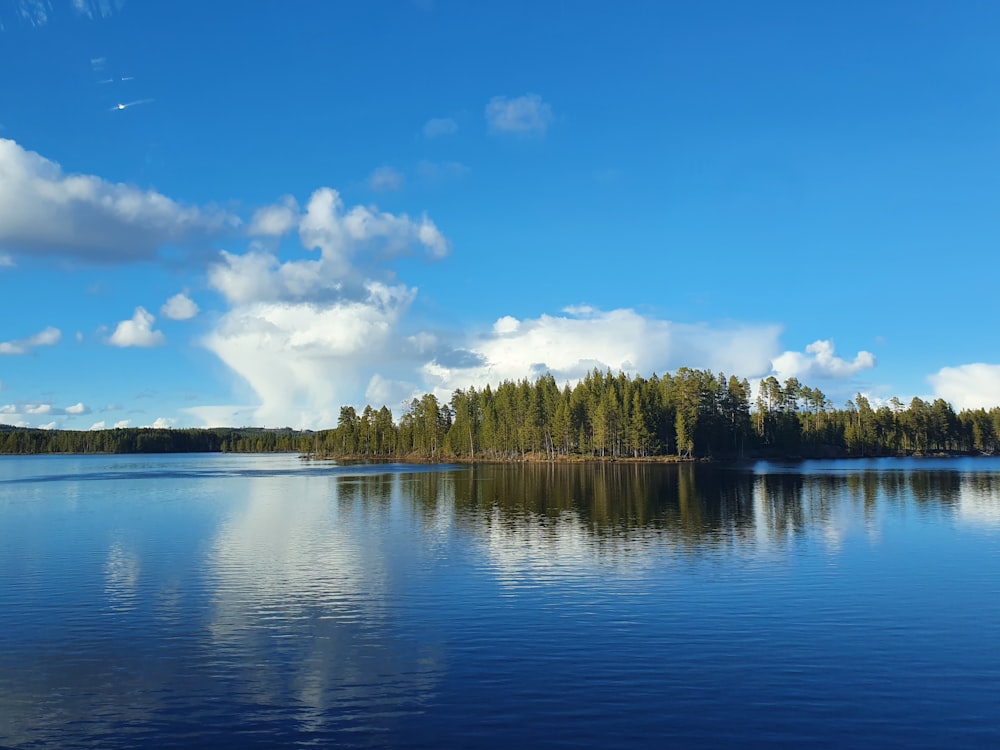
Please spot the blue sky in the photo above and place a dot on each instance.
(253, 213)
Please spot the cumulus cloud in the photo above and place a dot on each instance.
(40, 410)
(303, 360)
(352, 244)
(164, 423)
(973, 386)
(276, 220)
(384, 179)
(307, 335)
(438, 126)
(44, 211)
(98, 425)
(138, 331)
(48, 337)
(522, 115)
(179, 307)
(121, 424)
(820, 363)
(569, 347)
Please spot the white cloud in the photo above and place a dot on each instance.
(138, 331)
(164, 423)
(351, 243)
(276, 220)
(822, 365)
(307, 335)
(569, 347)
(506, 324)
(44, 211)
(47, 426)
(438, 126)
(384, 179)
(179, 307)
(522, 115)
(973, 386)
(96, 8)
(48, 337)
(121, 424)
(303, 360)
(44, 410)
(99, 425)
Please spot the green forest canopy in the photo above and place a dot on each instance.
(689, 414)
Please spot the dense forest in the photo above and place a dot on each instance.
(151, 440)
(689, 414)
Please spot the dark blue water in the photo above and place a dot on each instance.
(257, 601)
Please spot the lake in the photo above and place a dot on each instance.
(263, 601)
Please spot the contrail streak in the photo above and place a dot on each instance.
(130, 104)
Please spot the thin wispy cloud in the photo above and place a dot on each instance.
(47, 337)
(527, 115)
(439, 126)
(385, 179)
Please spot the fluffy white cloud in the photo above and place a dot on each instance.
(340, 234)
(569, 347)
(820, 363)
(164, 423)
(303, 360)
(45, 211)
(522, 115)
(48, 337)
(971, 386)
(39, 410)
(385, 179)
(179, 307)
(438, 126)
(276, 220)
(351, 243)
(138, 331)
(99, 425)
(121, 424)
(307, 335)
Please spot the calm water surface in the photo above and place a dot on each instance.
(258, 601)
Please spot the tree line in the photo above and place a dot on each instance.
(151, 440)
(688, 414)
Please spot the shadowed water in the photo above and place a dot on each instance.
(259, 601)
